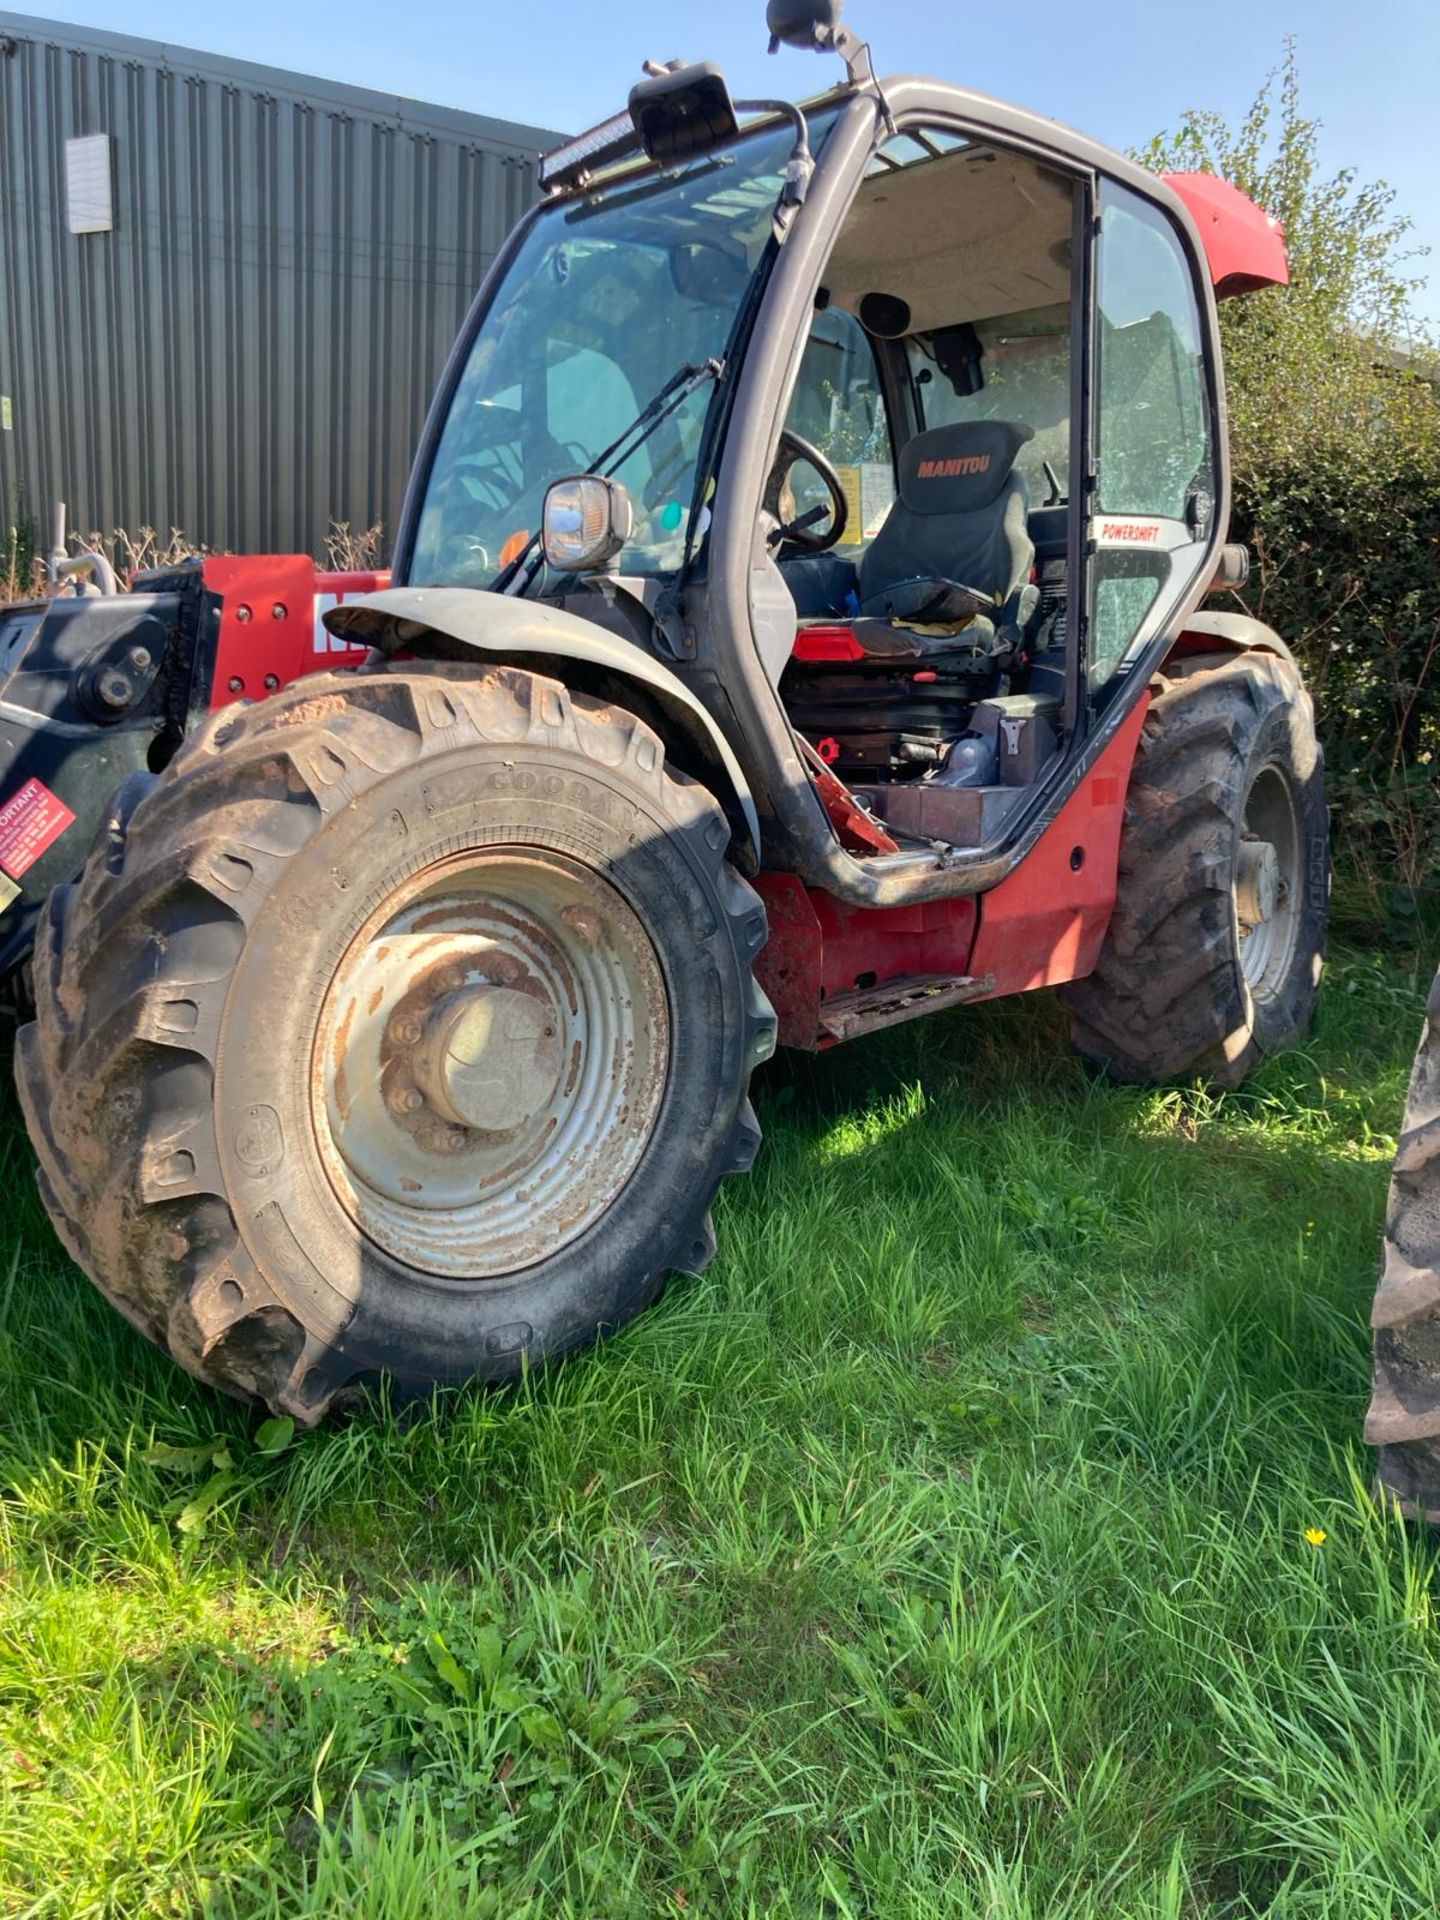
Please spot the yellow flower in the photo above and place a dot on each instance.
(1317, 1536)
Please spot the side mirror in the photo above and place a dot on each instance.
(802, 23)
(587, 520)
(1233, 569)
(816, 24)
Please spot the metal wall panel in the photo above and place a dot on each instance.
(249, 354)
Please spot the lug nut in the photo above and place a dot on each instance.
(452, 979)
(405, 1031)
(277, 612)
(451, 1140)
(138, 659)
(407, 1099)
(242, 614)
(272, 681)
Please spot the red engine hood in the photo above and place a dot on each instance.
(1245, 247)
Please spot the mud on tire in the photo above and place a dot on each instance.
(1173, 996)
(1404, 1416)
(168, 1078)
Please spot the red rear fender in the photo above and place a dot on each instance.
(1244, 246)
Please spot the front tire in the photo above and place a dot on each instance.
(1213, 956)
(401, 1028)
(1404, 1416)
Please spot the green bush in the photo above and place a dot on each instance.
(1334, 396)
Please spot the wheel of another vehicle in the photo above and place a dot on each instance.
(401, 1028)
(1404, 1417)
(1214, 952)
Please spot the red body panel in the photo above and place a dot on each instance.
(820, 948)
(1042, 924)
(270, 621)
(1045, 922)
(1244, 247)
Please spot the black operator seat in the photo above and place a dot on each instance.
(955, 536)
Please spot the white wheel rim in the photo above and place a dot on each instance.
(490, 1061)
(1266, 884)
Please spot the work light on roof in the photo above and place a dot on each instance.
(612, 140)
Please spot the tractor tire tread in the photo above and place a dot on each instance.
(1404, 1416)
(1164, 1001)
(132, 967)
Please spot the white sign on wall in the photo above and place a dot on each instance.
(89, 184)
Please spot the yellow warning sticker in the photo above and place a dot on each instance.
(9, 892)
(855, 525)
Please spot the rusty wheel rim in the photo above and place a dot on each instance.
(490, 1061)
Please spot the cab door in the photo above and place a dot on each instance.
(1155, 483)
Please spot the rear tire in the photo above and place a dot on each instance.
(401, 1028)
(1404, 1417)
(1196, 978)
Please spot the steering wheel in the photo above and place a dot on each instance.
(798, 533)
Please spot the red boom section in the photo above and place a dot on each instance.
(271, 628)
(833, 970)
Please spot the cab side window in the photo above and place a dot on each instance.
(1019, 369)
(1155, 493)
(838, 406)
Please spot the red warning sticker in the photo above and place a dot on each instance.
(30, 821)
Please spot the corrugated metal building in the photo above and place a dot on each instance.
(226, 313)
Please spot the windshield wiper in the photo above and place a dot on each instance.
(671, 397)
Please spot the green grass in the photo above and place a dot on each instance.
(941, 1552)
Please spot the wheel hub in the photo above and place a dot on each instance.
(1257, 881)
(489, 1057)
(490, 1061)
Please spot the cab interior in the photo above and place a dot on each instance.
(927, 565)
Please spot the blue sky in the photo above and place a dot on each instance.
(1121, 71)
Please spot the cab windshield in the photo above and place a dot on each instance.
(608, 296)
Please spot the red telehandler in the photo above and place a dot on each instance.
(796, 625)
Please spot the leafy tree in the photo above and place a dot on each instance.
(1334, 395)
(1310, 364)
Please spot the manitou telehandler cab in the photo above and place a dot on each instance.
(795, 627)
